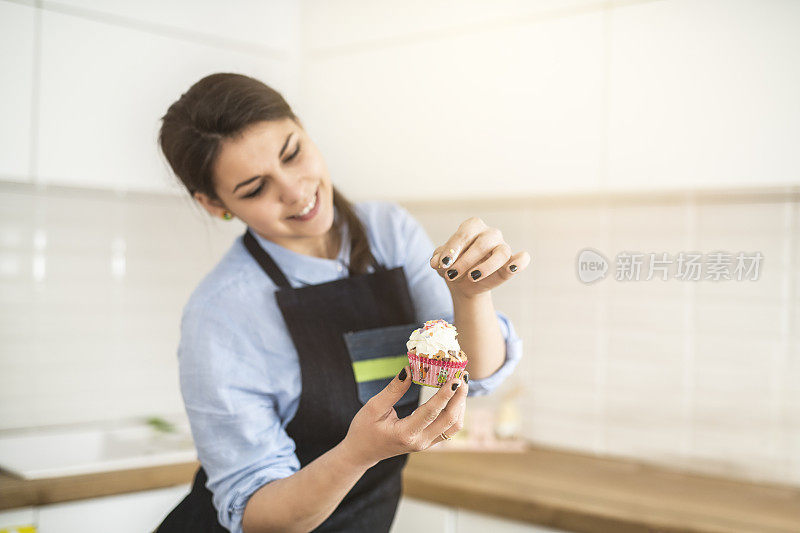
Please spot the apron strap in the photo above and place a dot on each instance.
(266, 262)
(273, 270)
(374, 262)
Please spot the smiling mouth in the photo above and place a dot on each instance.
(309, 207)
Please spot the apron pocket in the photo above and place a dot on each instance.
(378, 354)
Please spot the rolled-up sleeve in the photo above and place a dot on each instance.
(480, 387)
(432, 299)
(228, 393)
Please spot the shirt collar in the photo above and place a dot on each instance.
(306, 269)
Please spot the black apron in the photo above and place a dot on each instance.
(350, 336)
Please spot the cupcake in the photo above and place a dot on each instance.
(434, 354)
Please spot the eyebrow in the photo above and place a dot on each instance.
(245, 182)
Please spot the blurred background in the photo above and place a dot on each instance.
(649, 126)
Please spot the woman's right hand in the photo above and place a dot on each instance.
(377, 433)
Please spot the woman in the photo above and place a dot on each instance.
(291, 434)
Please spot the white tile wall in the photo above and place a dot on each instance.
(691, 374)
(89, 340)
(672, 377)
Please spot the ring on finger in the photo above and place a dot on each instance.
(445, 437)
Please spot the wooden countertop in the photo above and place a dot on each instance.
(580, 492)
(544, 486)
(16, 492)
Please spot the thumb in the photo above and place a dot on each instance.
(385, 399)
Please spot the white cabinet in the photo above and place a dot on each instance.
(104, 88)
(270, 24)
(504, 98)
(703, 93)
(499, 108)
(18, 520)
(468, 522)
(415, 515)
(629, 96)
(137, 512)
(16, 90)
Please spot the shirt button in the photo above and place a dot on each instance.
(339, 268)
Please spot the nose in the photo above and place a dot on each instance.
(291, 190)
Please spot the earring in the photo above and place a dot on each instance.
(227, 216)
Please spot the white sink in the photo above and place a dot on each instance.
(81, 450)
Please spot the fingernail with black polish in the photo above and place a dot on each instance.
(513, 268)
(452, 273)
(402, 375)
(446, 260)
(475, 274)
(466, 377)
(455, 385)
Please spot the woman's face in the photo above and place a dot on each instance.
(268, 177)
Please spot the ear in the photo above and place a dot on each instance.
(214, 207)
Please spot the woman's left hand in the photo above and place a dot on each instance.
(476, 259)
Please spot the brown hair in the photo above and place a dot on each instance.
(221, 106)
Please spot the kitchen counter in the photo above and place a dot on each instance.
(15, 492)
(556, 488)
(582, 492)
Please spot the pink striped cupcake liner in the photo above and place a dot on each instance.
(433, 372)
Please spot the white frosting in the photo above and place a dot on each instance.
(433, 337)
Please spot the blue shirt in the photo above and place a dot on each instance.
(239, 369)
